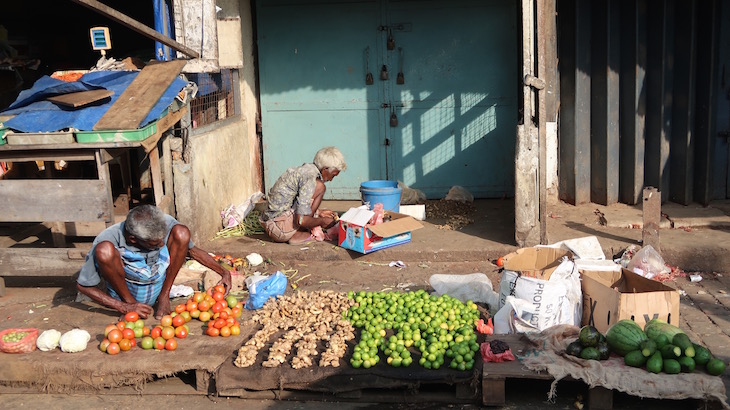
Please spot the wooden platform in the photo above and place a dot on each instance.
(494, 376)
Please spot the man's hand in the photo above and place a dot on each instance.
(142, 309)
(225, 281)
(326, 213)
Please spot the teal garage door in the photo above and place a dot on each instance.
(440, 110)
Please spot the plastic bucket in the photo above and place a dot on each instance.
(381, 191)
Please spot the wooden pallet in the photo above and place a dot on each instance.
(494, 376)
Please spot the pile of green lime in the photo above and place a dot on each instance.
(438, 326)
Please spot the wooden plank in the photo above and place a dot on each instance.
(605, 102)
(53, 200)
(81, 98)
(140, 96)
(105, 179)
(633, 100)
(136, 26)
(28, 154)
(600, 398)
(493, 393)
(22, 138)
(32, 262)
(202, 380)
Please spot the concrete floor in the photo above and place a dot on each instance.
(699, 242)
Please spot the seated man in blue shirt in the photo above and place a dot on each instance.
(138, 260)
(294, 199)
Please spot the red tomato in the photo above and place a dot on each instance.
(171, 344)
(131, 317)
(145, 331)
(500, 261)
(223, 315)
(124, 345)
(217, 307)
(225, 331)
(198, 297)
(104, 344)
(168, 332)
(113, 348)
(180, 308)
(191, 306)
(235, 330)
(116, 335)
(231, 321)
(133, 342)
(181, 332)
(108, 329)
(128, 334)
(166, 321)
(210, 332)
(219, 289)
(121, 325)
(160, 343)
(204, 306)
(218, 296)
(178, 321)
(236, 312)
(219, 323)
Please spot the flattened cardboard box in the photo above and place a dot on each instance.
(612, 296)
(366, 238)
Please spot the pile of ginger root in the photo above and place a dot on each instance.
(306, 319)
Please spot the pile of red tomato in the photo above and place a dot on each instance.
(122, 336)
(215, 309)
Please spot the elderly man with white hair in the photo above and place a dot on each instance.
(294, 199)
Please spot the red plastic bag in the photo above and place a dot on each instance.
(485, 328)
(489, 356)
(24, 345)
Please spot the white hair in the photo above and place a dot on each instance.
(330, 157)
(146, 222)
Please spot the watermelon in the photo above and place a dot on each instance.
(625, 336)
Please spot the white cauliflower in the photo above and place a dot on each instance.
(74, 340)
(48, 340)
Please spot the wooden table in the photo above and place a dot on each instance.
(69, 200)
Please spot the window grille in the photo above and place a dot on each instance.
(215, 100)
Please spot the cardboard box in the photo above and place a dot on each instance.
(538, 262)
(612, 296)
(356, 234)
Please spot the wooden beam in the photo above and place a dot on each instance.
(35, 262)
(54, 200)
(135, 25)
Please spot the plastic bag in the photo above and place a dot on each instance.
(273, 286)
(459, 193)
(475, 287)
(648, 263)
(411, 196)
(489, 355)
(235, 214)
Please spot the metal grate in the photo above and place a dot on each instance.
(215, 100)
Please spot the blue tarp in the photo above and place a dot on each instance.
(33, 113)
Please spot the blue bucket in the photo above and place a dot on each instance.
(381, 191)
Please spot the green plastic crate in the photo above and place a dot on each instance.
(117, 135)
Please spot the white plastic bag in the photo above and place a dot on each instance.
(475, 287)
(235, 214)
(648, 263)
(558, 300)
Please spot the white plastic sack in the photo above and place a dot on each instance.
(558, 300)
(475, 287)
(235, 214)
(516, 316)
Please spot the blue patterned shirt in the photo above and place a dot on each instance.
(145, 270)
(293, 190)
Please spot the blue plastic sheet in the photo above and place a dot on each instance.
(33, 113)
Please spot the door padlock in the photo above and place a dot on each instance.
(393, 120)
(384, 73)
(369, 78)
(391, 41)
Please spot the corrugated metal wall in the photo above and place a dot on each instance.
(638, 82)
